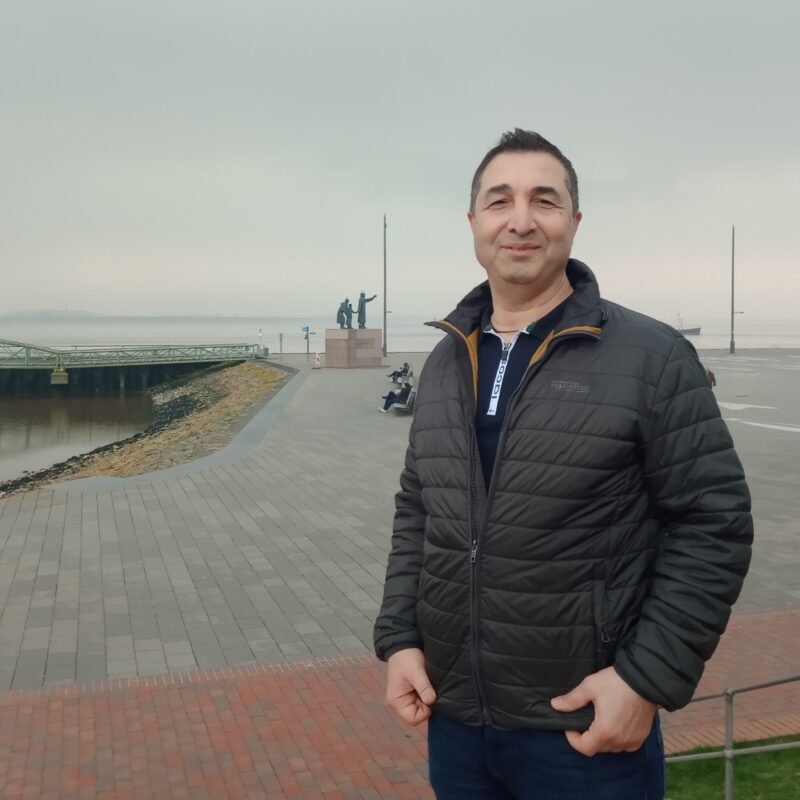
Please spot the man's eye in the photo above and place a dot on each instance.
(541, 201)
(496, 203)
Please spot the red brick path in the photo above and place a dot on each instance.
(315, 729)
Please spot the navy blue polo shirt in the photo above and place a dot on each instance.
(501, 366)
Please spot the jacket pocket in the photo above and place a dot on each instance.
(603, 642)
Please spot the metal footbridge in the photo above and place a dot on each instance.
(19, 355)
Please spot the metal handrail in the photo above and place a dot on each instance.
(728, 752)
(15, 355)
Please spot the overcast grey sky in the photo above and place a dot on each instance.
(237, 157)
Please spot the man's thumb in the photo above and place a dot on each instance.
(423, 688)
(572, 701)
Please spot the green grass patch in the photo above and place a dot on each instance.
(763, 776)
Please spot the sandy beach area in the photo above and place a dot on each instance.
(194, 415)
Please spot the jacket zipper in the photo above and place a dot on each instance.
(483, 708)
(602, 636)
(474, 583)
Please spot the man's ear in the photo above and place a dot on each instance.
(471, 219)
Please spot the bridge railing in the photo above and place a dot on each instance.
(19, 355)
(728, 752)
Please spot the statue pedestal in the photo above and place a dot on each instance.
(356, 347)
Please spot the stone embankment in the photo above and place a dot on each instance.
(192, 416)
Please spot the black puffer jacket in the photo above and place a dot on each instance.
(616, 529)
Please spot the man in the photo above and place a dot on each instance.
(573, 524)
(391, 397)
(341, 314)
(362, 308)
(398, 375)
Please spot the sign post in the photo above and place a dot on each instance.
(307, 336)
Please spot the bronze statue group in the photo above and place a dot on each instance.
(344, 316)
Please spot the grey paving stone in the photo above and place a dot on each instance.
(30, 669)
(314, 640)
(238, 655)
(201, 634)
(294, 648)
(262, 645)
(207, 649)
(60, 665)
(35, 638)
(117, 624)
(211, 661)
(348, 643)
(177, 647)
(42, 615)
(93, 648)
(305, 628)
(143, 645)
(180, 662)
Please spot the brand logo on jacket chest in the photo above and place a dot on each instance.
(573, 387)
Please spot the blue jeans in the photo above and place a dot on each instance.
(483, 763)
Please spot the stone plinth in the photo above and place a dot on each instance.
(356, 347)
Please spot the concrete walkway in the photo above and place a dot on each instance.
(205, 631)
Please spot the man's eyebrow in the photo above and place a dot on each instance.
(503, 188)
(500, 188)
(551, 190)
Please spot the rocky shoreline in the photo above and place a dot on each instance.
(193, 415)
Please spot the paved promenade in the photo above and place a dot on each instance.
(205, 631)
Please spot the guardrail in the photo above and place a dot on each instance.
(728, 752)
(19, 355)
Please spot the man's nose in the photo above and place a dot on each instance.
(522, 219)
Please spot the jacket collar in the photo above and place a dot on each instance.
(582, 307)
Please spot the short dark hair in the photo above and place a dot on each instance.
(520, 141)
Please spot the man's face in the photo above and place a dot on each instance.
(523, 224)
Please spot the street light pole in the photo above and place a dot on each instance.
(733, 312)
(384, 286)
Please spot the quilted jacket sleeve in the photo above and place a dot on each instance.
(698, 491)
(396, 625)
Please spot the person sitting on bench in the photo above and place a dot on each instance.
(396, 397)
(399, 374)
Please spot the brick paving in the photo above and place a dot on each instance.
(315, 729)
(204, 631)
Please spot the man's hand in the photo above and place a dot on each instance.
(622, 718)
(408, 691)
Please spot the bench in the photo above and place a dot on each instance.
(408, 406)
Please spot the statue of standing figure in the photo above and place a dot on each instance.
(362, 308)
(344, 316)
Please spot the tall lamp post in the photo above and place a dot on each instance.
(733, 306)
(384, 286)
(733, 313)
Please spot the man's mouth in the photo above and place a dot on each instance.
(520, 248)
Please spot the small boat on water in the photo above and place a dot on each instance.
(687, 331)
